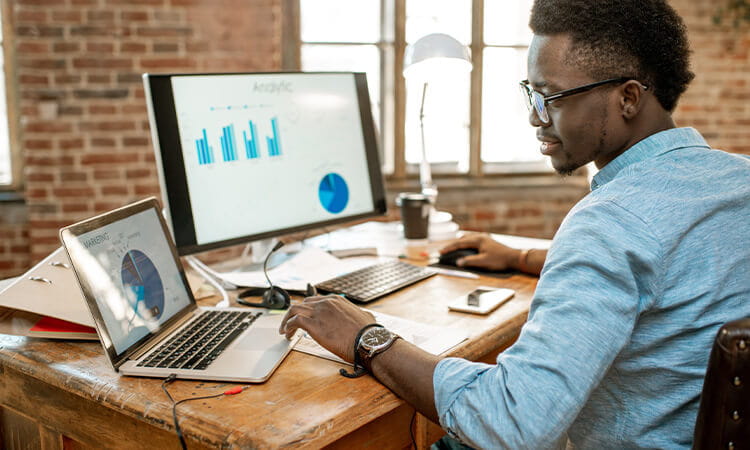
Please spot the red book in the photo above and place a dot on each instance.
(61, 329)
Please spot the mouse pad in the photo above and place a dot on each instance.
(479, 271)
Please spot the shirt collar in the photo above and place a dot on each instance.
(654, 145)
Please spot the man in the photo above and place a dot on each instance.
(639, 277)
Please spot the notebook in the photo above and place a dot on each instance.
(145, 314)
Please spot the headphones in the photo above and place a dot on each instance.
(274, 297)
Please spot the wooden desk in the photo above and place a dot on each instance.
(56, 394)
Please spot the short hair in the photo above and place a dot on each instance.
(642, 39)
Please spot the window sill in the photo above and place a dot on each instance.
(11, 197)
(465, 183)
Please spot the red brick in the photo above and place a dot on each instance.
(132, 47)
(138, 173)
(115, 190)
(102, 63)
(100, 47)
(76, 208)
(32, 47)
(67, 16)
(37, 144)
(135, 141)
(100, 175)
(33, 79)
(102, 109)
(40, 177)
(109, 158)
(102, 142)
(107, 126)
(134, 16)
(168, 63)
(64, 192)
(48, 127)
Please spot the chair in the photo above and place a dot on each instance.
(724, 414)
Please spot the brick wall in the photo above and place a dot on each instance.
(85, 139)
(718, 100)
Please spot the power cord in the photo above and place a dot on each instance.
(171, 378)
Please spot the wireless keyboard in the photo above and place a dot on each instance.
(372, 282)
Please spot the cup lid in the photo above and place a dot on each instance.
(411, 196)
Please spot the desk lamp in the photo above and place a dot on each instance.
(432, 56)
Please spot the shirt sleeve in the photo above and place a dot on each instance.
(599, 274)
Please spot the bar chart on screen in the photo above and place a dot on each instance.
(249, 146)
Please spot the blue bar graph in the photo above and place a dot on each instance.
(251, 144)
(274, 144)
(228, 144)
(205, 152)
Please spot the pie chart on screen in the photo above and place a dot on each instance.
(333, 193)
(142, 280)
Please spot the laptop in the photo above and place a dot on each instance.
(145, 314)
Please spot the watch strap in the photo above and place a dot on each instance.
(358, 369)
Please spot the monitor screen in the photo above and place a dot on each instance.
(248, 156)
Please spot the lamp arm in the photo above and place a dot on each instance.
(425, 172)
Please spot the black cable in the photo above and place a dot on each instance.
(177, 428)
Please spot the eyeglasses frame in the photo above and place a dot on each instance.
(528, 90)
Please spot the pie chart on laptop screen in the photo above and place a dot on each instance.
(333, 193)
(143, 285)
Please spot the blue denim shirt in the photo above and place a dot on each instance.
(640, 276)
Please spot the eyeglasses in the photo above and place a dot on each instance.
(539, 101)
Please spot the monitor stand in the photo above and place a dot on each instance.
(255, 253)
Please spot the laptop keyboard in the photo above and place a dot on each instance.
(377, 280)
(200, 343)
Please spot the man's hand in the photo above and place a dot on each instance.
(332, 321)
(492, 254)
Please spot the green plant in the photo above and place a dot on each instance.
(736, 11)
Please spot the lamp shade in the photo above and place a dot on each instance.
(435, 55)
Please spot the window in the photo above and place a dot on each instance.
(476, 125)
(6, 174)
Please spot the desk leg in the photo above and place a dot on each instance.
(426, 432)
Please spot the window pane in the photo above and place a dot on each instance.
(451, 17)
(446, 121)
(5, 170)
(354, 58)
(340, 21)
(507, 22)
(507, 135)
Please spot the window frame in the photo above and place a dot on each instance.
(393, 95)
(11, 99)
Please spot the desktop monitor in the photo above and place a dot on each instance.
(247, 156)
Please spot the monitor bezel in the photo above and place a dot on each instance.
(173, 178)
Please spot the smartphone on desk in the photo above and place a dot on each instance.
(482, 300)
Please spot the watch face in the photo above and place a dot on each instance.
(376, 337)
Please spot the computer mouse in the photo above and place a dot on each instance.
(450, 258)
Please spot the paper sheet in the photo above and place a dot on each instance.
(430, 338)
(310, 265)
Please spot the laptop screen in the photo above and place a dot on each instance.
(127, 267)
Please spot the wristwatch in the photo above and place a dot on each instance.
(374, 340)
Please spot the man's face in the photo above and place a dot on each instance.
(584, 127)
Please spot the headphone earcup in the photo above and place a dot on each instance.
(276, 298)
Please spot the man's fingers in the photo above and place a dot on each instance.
(478, 260)
(465, 242)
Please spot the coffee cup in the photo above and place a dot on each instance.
(415, 214)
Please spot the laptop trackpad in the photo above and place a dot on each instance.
(260, 339)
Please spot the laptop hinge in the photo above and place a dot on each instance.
(149, 345)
